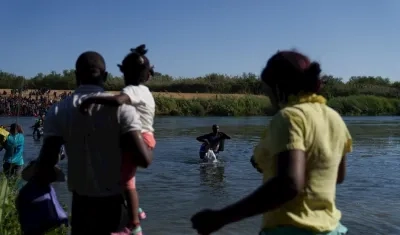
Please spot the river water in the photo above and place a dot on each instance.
(177, 185)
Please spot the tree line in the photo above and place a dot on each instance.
(247, 83)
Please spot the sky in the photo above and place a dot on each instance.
(188, 38)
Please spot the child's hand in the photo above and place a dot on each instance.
(86, 106)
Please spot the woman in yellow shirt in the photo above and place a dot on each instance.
(302, 157)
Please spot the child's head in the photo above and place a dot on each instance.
(290, 73)
(136, 66)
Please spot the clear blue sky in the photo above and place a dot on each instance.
(188, 38)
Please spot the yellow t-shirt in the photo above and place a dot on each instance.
(319, 131)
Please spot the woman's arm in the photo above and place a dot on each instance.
(341, 170)
(285, 186)
(8, 143)
(288, 147)
(348, 147)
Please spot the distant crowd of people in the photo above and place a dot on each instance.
(33, 104)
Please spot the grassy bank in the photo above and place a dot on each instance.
(365, 105)
(208, 104)
(246, 83)
(251, 105)
(9, 224)
(217, 105)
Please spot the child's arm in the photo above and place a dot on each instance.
(116, 100)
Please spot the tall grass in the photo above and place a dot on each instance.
(246, 83)
(365, 105)
(251, 105)
(9, 224)
(217, 106)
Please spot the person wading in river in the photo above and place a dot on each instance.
(94, 144)
(302, 157)
(214, 140)
(13, 159)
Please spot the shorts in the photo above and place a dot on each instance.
(97, 215)
(128, 171)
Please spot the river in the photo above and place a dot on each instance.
(177, 185)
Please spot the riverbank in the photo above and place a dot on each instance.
(250, 105)
(207, 104)
(9, 223)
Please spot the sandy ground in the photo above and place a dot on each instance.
(165, 94)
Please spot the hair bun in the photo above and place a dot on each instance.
(141, 50)
(313, 71)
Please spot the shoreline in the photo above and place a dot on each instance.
(209, 104)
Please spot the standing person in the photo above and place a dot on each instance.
(303, 152)
(38, 124)
(13, 159)
(214, 140)
(91, 143)
(137, 71)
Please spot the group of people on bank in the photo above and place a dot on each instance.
(302, 153)
(15, 105)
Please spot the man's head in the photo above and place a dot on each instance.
(90, 69)
(215, 128)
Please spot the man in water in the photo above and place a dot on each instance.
(92, 143)
(38, 124)
(214, 140)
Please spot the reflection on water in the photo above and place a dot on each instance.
(212, 175)
(176, 185)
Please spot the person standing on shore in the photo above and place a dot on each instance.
(304, 153)
(137, 71)
(92, 143)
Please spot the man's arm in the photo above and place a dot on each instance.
(131, 140)
(225, 136)
(48, 156)
(203, 138)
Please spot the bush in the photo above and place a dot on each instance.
(367, 105)
(219, 106)
(9, 224)
(247, 83)
(251, 105)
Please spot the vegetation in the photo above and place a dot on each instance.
(206, 95)
(367, 105)
(9, 224)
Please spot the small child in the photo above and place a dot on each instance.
(137, 70)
